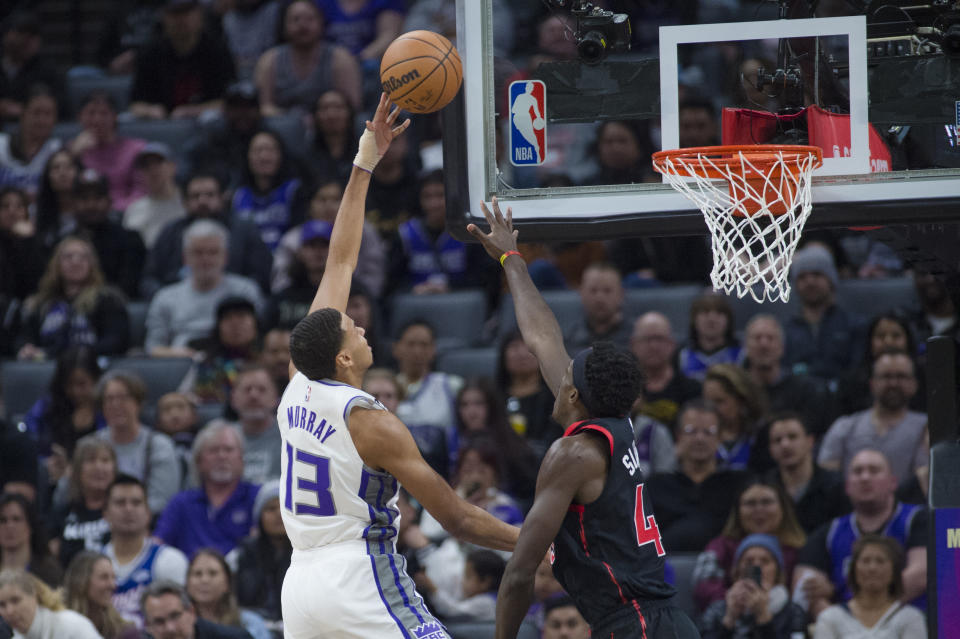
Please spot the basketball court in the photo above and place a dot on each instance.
(873, 86)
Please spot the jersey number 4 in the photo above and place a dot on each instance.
(647, 530)
(319, 484)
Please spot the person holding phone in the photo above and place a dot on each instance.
(758, 604)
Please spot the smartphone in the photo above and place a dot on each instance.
(757, 575)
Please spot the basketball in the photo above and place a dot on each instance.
(421, 72)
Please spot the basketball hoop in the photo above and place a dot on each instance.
(756, 221)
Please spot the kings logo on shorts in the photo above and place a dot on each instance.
(528, 122)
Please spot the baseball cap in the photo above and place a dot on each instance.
(316, 230)
(241, 93)
(152, 149)
(234, 303)
(89, 181)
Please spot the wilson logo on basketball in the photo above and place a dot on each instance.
(393, 82)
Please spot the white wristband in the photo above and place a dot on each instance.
(367, 153)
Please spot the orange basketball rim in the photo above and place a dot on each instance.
(760, 177)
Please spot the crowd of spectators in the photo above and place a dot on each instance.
(781, 455)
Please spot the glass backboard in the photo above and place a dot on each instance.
(565, 138)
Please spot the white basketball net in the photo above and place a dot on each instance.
(752, 246)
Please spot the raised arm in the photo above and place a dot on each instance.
(347, 232)
(537, 323)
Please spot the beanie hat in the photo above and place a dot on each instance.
(268, 491)
(768, 542)
(814, 259)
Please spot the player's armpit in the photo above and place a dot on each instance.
(385, 443)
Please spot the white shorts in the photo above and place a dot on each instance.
(350, 591)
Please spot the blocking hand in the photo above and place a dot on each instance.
(502, 236)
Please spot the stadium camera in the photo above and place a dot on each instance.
(598, 31)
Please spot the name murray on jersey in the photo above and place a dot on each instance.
(305, 419)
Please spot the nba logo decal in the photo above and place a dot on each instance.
(528, 122)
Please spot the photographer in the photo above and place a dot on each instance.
(757, 605)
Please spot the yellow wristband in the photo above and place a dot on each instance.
(508, 254)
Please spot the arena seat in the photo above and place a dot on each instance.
(456, 317)
(137, 316)
(160, 374)
(672, 301)
(173, 133)
(683, 564)
(23, 383)
(291, 130)
(872, 297)
(564, 304)
(78, 87)
(469, 362)
(467, 630)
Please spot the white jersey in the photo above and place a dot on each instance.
(327, 494)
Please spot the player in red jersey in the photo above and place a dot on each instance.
(590, 501)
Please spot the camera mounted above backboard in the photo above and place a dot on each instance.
(599, 32)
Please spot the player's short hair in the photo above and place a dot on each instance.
(614, 379)
(315, 342)
(488, 565)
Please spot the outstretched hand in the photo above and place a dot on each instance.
(502, 236)
(382, 125)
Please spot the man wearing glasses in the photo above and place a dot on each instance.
(168, 614)
(693, 501)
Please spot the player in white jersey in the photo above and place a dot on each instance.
(344, 456)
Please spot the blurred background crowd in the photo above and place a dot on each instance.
(169, 174)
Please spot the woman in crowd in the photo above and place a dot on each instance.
(263, 558)
(740, 404)
(762, 507)
(271, 196)
(101, 148)
(141, 452)
(426, 259)
(21, 255)
(209, 584)
(480, 413)
(74, 306)
(478, 480)
(623, 153)
(382, 383)
(295, 74)
(875, 610)
(529, 402)
(79, 524)
(23, 546)
(69, 411)
(34, 611)
(757, 604)
(24, 154)
(711, 337)
(88, 587)
(232, 343)
(55, 198)
(334, 139)
(887, 332)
